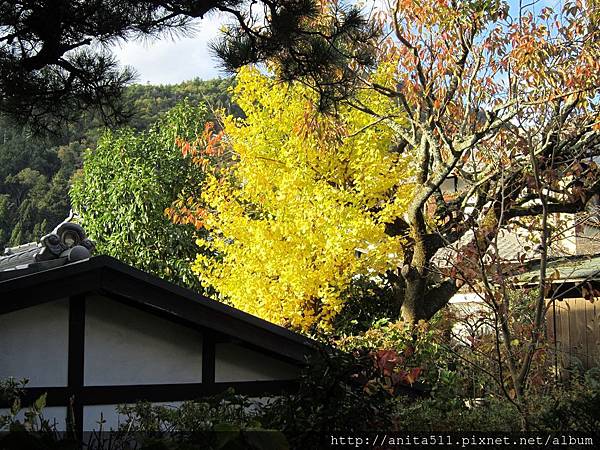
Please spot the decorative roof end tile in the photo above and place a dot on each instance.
(67, 243)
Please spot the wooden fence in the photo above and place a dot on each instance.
(573, 325)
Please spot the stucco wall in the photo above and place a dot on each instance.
(126, 346)
(34, 344)
(235, 363)
(122, 346)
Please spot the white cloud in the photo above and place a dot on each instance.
(170, 61)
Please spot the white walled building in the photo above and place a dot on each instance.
(95, 333)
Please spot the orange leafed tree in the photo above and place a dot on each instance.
(489, 95)
(504, 103)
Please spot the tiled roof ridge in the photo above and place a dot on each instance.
(68, 242)
(20, 248)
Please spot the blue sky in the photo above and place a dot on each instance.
(168, 61)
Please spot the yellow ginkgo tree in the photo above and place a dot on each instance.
(297, 203)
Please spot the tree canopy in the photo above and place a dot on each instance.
(126, 183)
(506, 105)
(30, 210)
(54, 57)
(302, 206)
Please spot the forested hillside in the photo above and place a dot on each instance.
(35, 172)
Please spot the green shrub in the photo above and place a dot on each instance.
(340, 392)
(414, 351)
(366, 302)
(33, 431)
(575, 407)
(456, 415)
(192, 416)
(221, 422)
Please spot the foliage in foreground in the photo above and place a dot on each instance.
(341, 393)
(222, 422)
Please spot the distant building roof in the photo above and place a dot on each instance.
(513, 247)
(573, 269)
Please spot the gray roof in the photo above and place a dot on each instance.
(67, 243)
(513, 247)
(574, 269)
(17, 256)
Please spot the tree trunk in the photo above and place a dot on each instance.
(412, 309)
(421, 300)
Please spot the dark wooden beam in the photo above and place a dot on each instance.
(26, 294)
(208, 358)
(76, 359)
(114, 395)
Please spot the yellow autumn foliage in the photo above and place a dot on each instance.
(302, 207)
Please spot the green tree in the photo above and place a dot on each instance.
(149, 101)
(57, 157)
(126, 184)
(5, 218)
